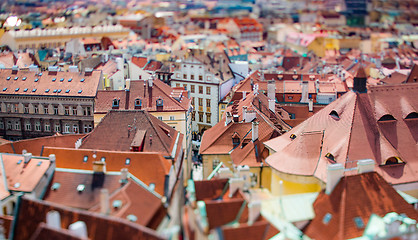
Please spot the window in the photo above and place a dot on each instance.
(160, 102)
(115, 103)
(38, 126)
(327, 218)
(127, 161)
(67, 128)
(88, 128)
(208, 90)
(184, 76)
(290, 97)
(1, 125)
(75, 128)
(192, 101)
(177, 84)
(215, 163)
(74, 110)
(160, 118)
(193, 116)
(26, 109)
(387, 118)
(15, 108)
(57, 128)
(86, 111)
(200, 117)
(17, 125)
(192, 77)
(46, 109)
(85, 158)
(36, 109)
(67, 110)
(200, 101)
(208, 117)
(171, 118)
(138, 103)
(9, 125)
(201, 89)
(359, 222)
(55, 110)
(192, 88)
(47, 127)
(208, 103)
(200, 77)
(27, 126)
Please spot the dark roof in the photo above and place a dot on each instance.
(261, 229)
(209, 189)
(159, 137)
(30, 213)
(360, 73)
(356, 196)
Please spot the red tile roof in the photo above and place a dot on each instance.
(139, 61)
(261, 229)
(349, 129)
(357, 196)
(32, 212)
(159, 137)
(147, 167)
(209, 189)
(66, 84)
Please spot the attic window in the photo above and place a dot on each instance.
(55, 90)
(393, 161)
(80, 91)
(36, 79)
(55, 186)
(67, 91)
(292, 136)
(24, 78)
(127, 161)
(115, 103)
(359, 222)
(4, 89)
(62, 80)
(47, 90)
(412, 115)
(81, 187)
(54, 79)
(85, 158)
(330, 157)
(334, 115)
(59, 90)
(82, 80)
(8, 78)
(40, 74)
(17, 89)
(138, 103)
(160, 102)
(131, 218)
(16, 78)
(69, 80)
(387, 118)
(25, 90)
(34, 90)
(327, 218)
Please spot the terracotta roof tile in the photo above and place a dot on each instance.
(209, 189)
(139, 61)
(258, 230)
(32, 212)
(65, 84)
(147, 167)
(355, 196)
(124, 124)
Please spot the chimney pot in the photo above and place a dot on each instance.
(27, 157)
(254, 209)
(334, 173)
(254, 131)
(365, 165)
(124, 175)
(52, 157)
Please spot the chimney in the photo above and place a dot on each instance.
(151, 80)
(334, 173)
(271, 89)
(244, 113)
(250, 115)
(254, 131)
(79, 229)
(104, 201)
(305, 92)
(310, 105)
(124, 175)
(119, 63)
(53, 219)
(245, 174)
(365, 165)
(244, 95)
(27, 157)
(254, 209)
(224, 173)
(360, 81)
(52, 157)
(33, 68)
(73, 69)
(236, 118)
(15, 69)
(234, 185)
(99, 167)
(228, 118)
(272, 105)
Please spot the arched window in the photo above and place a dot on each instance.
(386, 118)
(412, 115)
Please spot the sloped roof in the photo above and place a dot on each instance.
(394, 78)
(139, 61)
(209, 189)
(32, 212)
(261, 229)
(66, 84)
(159, 136)
(413, 75)
(147, 167)
(349, 129)
(356, 196)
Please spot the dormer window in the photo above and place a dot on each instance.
(330, 157)
(393, 161)
(334, 115)
(115, 103)
(386, 118)
(412, 115)
(160, 102)
(138, 103)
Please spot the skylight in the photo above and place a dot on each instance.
(69, 80)
(19, 162)
(17, 89)
(67, 91)
(36, 79)
(327, 218)
(359, 222)
(39, 163)
(54, 79)
(80, 91)
(81, 187)
(16, 78)
(127, 161)
(47, 90)
(8, 78)
(131, 218)
(25, 90)
(82, 80)
(85, 158)
(62, 80)
(117, 204)
(59, 90)
(24, 78)
(34, 90)
(55, 90)
(55, 186)
(4, 89)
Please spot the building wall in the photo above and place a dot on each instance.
(293, 184)
(209, 159)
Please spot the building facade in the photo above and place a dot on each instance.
(35, 104)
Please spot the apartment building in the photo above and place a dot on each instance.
(35, 104)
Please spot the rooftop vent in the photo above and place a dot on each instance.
(55, 186)
(81, 187)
